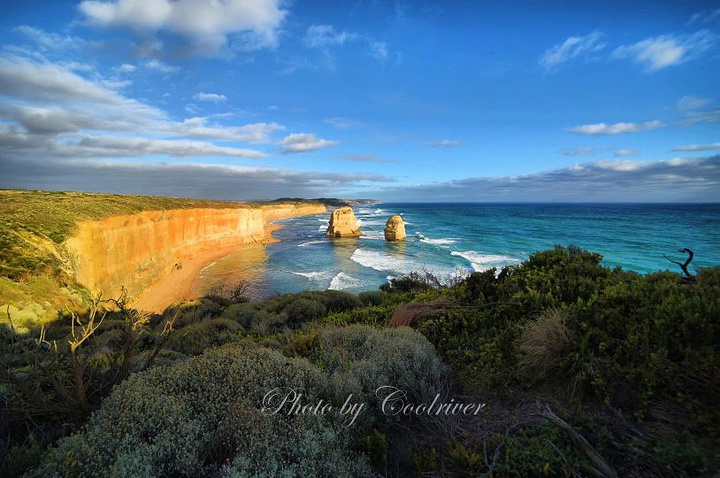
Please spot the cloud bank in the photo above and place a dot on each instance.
(208, 23)
(304, 143)
(674, 180)
(617, 128)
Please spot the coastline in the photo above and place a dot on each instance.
(178, 285)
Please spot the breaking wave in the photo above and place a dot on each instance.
(343, 281)
(482, 262)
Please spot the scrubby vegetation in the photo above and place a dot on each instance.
(585, 370)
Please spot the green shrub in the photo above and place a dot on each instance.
(195, 311)
(197, 337)
(340, 301)
(544, 450)
(650, 339)
(358, 359)
(372, 297)
(413, 282)
(204, 417)
(303, 310)
(266, 323)
(242, 313)
(376, 316)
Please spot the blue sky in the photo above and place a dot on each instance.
(408, 101)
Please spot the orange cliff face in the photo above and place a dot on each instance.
(140, 251)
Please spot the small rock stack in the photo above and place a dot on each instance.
(343, 223)
(395, 229)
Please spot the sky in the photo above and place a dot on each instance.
(405, 101)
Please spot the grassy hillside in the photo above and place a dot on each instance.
(34, 279)
(585, 370)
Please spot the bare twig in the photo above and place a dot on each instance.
(684, 265)
(12, 326)
(603, 469)
(167, 331)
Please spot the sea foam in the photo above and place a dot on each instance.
(482, 262)
(344, 281)
(437, 242)
(381, 261)
(311, 243)
(311, 275)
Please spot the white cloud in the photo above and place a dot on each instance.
(57, 119)
(207, 22)
(698, 110)
(198, 127)
(273, 108)
(176, 148)
(40, 80)
(126, 68)
(326, 36)
(576, 151)
(323, 36)
(304, 142)
(212, 97)
(618, 165)
(446, 143)
(617, 128)
(706, 17)
(690, 103)
(365, 158)
(697, 147)
(48, 111)
(626, 152)
(663, 51)
(50, 41)
(573, 47)
(379, 50)
(160, 66)
(343, 123)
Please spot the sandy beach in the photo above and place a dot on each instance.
(178, 284)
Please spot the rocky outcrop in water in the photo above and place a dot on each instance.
(343, 223)
(395, 229)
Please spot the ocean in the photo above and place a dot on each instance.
(457, 239)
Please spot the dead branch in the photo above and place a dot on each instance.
(12, 326)
(167, 331)
(603, 469)
(684, 265)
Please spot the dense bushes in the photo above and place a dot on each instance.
(203, 416)
(647, 346)
(630, 361)
(197, 337)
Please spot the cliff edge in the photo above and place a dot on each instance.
(137, 251)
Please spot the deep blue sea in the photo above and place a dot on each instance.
(451, 239)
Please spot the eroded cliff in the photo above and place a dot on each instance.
(140, 250)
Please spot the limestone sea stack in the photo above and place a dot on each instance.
(395, 229)
(343, 223)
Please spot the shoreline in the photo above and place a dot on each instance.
(177, 286)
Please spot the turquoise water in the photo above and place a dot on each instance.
(449, 239)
